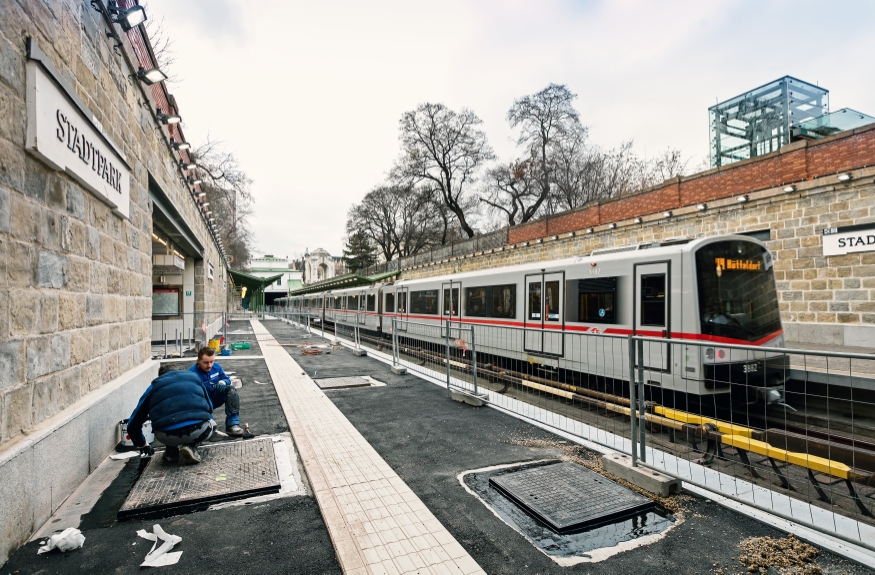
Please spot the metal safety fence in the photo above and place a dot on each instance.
(789, 431)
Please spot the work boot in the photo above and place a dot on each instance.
(189, 454)
(234, 431)
(171, 454)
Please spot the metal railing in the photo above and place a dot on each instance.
(174, 336)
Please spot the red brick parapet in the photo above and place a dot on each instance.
(796, 162)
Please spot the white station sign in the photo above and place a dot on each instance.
(60, 134)
(849, 239)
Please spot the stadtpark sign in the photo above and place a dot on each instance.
(64, 134)
(849, 239)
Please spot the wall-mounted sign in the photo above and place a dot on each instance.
(187, 293)
(63, 136)
(848, 239)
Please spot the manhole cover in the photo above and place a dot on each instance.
(342, 382)
(567, 497)
(227, 471)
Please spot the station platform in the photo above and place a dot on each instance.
(378, 486)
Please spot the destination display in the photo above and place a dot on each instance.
(740, 265)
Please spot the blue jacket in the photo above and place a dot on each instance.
(209, 380)
(173, 400)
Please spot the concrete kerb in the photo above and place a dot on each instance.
(41, 469)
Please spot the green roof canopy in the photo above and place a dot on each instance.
(250, 282)
(342, 282)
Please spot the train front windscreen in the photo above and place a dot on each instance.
(737, 295)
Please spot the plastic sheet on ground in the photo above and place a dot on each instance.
(67, 540)
(161, 556)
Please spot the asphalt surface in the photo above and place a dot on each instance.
(282, 536)
(429, 440)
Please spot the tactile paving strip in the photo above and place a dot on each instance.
(342, 382)
(227, 471)
(567, 497)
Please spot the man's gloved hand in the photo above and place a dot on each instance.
(146, 451)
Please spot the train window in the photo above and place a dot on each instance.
(475, 302)
(390, 303)
(737, 296)
(597, 299)
(353, 302)
(491, 301)
(535, 300)
(424, 302)
(402, 301)
(653, 300)
(372, 302)
(551, 301)
(451, 303)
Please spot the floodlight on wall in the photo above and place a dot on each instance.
(127, 18)
(179, 146)
(844, 177)
(589, 230)
(612, 225)
(741, 199)
(702, 207)
(666, 214)
(637, 220)
(202, 195)
(168, 118)
(788, 189)
(196, 182)
(150, 77)
(187, 165)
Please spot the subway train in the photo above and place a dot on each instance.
(692, 295)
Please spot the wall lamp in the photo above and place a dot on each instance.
(612, 225)
(202, 195)
(844, 177)
(150, 77)
(168, 118)
(788, 189)
(179, 146)
(666, 214)
(637, 220)
(589, 230)
(741, 199)
(196, 182)
(187, 165)
(127, 18)
(701, 207)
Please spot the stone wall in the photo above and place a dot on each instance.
(76, 279)
(827, 300)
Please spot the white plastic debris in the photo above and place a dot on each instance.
(124, 455)
(160, 557)
(67, 540)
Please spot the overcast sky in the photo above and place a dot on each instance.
(309, 94)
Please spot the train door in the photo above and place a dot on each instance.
(401, 303)
(450, 310)
(653, 311)
(544, 318)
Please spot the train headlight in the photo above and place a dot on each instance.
(721, 353)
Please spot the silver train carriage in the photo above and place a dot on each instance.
(575, 312)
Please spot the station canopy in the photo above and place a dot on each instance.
(343, 282)
(250, 282)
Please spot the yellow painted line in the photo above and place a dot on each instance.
(722, 426)
(823, 465)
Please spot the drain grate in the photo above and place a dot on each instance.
(342, 382)
(568, 497)
(227, 471)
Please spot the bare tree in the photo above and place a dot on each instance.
(162, 43)
(512, 190)
(229, 197)
(444, 150)
(548, 127)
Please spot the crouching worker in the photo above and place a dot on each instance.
(179, 406)
(220, 389)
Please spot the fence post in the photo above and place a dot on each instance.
(357, 343)
(394, 343)
(632, 402)
(642, 424)
(448, 357)
(474, 360)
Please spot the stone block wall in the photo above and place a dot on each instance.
(76, 279)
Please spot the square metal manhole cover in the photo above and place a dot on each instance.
(227, 471)
(342, 382)
(567, 497)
